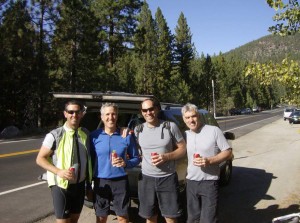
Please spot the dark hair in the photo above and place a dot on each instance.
(154, 101)
(74, 102)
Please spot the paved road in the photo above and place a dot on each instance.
(265, 182)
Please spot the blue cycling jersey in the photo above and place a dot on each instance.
(102, 146)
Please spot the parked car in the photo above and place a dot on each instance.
(130, 116)
(287, 112)
(294, 117)
(235, 111)
(256, 109)
(246, 111)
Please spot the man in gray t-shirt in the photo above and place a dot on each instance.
(158, 186)
(206, 149)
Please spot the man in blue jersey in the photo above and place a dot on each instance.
(112, 153)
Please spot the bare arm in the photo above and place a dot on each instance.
(220, 157)
(42, 161)
(177, 153)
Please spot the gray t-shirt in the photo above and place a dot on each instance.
(208, 142)
(158, 139)
(48, 142)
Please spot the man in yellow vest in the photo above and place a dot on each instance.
(65, 154)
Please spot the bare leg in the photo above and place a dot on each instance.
(101, 219)
(153, 219)
(74, 218)
(68, 220)
(171, 220)
(123, 219)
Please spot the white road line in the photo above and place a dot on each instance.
(249, 124)
(14, 141)
(22, 188)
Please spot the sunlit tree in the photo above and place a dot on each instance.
(286, 73)
(287, 17)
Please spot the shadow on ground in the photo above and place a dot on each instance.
(247, 188)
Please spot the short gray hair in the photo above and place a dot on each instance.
(189, 107)
(109, 104)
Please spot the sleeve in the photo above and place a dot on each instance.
(176, 132)
(132, 152)
(184, 135)
(221, 140)
(49, 141)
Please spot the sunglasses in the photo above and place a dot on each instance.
(151, 109)
(72, 112)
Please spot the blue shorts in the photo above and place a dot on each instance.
(159, 192)
(202, 201)
(68, 201)
(115, 190)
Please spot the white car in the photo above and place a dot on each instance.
(287, 112)
(255, 109)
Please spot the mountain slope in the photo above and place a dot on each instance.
(269, 48)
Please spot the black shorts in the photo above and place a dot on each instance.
(159, 192)
(115, 190)
(202, 200)
(68, 201)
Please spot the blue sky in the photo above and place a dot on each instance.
(218, 25)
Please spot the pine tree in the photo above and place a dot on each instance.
(164, 57)
(75, 48)
(145, 42)
(126, 69)
(232, 87)
(44, 14)
(183, 55)
(184, 52)
(117, 23)
(198, 85)
(17, 53)
(207, 78)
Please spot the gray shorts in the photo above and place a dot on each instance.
(68, 201)
(159, 192)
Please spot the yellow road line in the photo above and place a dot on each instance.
(19, 153)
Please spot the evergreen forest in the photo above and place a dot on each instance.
(106, 45)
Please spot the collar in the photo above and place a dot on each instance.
(199, 130)
(117, 132)
(68, 129)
